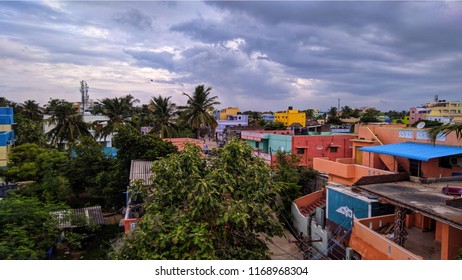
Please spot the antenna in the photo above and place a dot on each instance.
(420, 125)
(84, 92)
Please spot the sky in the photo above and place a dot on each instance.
(255, 55)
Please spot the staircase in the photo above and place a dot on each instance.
(311, 208)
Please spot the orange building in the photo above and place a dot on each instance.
(397, 167)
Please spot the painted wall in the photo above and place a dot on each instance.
(224, 113)
(6, 134)
(277, 142)
(333, 147)
(289, 117)
(343, 208)
(372, 245)
(345, 173)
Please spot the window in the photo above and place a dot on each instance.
(257, 145)
(445, 162)
(333, 149)
(300, 151)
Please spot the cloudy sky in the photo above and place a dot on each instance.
(257, 55)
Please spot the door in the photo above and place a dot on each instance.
(415, 167)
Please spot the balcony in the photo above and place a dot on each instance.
(372, 245)
(344, 171)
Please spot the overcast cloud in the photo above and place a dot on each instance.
(257, 55)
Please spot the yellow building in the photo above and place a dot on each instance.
(290, 117)
(230, 111)
(6, 134)
(443, 109)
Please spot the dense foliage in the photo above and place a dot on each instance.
(206, 208)
(27, 229)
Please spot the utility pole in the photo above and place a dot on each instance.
(84, 91)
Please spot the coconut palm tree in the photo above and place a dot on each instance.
(69, 126)
(119, 111)
(164, 114)
(444, 130)
(199, 109)
(31, 110)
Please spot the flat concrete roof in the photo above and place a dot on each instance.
(424, 198)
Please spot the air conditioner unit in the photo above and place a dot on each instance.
(456, 161)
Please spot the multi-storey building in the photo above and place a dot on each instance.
(439, 110)
(224, 113)
(6, 134)
(291, 117)
(445, 111)
(400, 169)
(267, 142)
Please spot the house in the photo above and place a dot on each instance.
(224, 113)
(400, 169)
(438, 110)
(140, 170)
(291, 117)
(6, 134)
(228, 118)
(266, 143)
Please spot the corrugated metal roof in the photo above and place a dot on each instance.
(417, 151)
(79, 217)
(141, 169)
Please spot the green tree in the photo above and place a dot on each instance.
(29, 131)
(332, 116)
(85, 167)
(69, 126)
(112, 183)
(206, 208)
(164, 114)
(275, 126)
(370, 115)
(119, 111)
(309, 113)
(31, 110)
(199, 109)
(346, 112)
(5, 102)
(30, 162)
(45, 167)
(27, 229)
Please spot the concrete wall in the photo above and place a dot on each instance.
(320, 146)
(299, 221)
(278, 142)
(317, 232)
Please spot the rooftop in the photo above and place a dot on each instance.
(425, 198)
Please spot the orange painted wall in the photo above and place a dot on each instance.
(308, 199)
(451, 242)
(342, 173)
(372, 245)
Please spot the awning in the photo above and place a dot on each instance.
(417, 151)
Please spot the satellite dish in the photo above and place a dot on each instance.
(421, 125)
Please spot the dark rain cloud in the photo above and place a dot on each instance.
(366, 53)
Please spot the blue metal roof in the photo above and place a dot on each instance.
(417, 151)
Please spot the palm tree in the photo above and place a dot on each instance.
(199, 109)
(164, 113)
(69, 126)
(119, 111)
(444, 130)
(31, 110)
